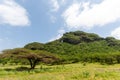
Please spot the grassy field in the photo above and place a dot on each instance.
(77, 71)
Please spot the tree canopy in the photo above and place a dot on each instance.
(34, 57)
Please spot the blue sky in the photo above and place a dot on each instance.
(25, 21)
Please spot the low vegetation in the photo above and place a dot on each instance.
(58, 57)
(77, 71)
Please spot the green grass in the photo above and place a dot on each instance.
(77, 71)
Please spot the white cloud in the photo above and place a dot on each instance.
(13, 14)
(55, 5)
(86, 15)
(116, 33)
(59, 35)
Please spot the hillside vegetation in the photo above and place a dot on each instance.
(72, 47)
(81, 46)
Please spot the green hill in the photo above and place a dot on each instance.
(81, 46)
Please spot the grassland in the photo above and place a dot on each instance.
(77, 71)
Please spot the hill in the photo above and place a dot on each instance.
(81, 46)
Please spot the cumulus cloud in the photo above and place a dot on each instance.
(13, 14)
(85, 15)
(59, 35)
(116, 33)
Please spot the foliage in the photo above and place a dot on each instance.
(32, 56)
(34, 46)
(72, 47)
(79, 46)
(79, 37)
(112, 41)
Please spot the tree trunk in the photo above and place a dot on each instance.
(30, 61)
(33, 63)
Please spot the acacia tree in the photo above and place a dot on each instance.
(34, 57)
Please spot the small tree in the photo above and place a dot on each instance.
(34, 57)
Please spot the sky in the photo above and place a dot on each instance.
(26, 21)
